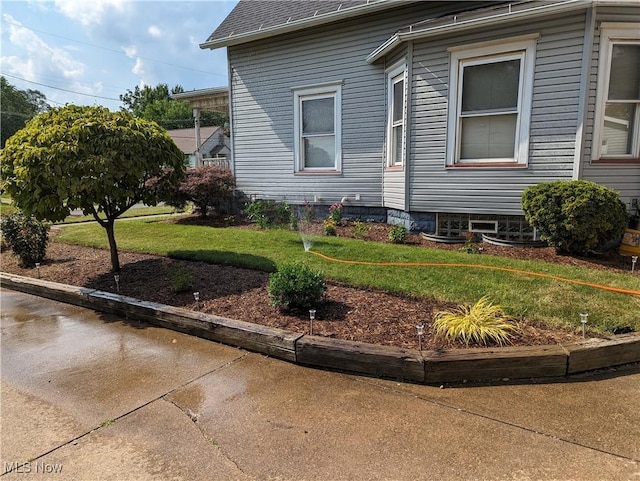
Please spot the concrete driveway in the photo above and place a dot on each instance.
(87, 396)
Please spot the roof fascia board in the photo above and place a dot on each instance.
(200, 93)
(324, 18)
(491, 19)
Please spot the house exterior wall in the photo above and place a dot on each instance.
(624, 178)
(262, 75)
(554, 120)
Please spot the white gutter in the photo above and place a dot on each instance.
(369, 7)
(456, 25)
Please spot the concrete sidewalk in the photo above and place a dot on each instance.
(87, 396)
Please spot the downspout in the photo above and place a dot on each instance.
(230, 100)
(196, 120)
(589, 32)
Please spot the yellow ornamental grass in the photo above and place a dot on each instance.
(482, 323)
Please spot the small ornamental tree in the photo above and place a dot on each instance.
(575, 216)
(208, 186)
(91, 159)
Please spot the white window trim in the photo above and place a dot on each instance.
(333, 89)
(610, 34)
(393, 72)
(524, 47)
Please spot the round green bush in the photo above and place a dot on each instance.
(575, 216)
(27, 237)
(296, 286)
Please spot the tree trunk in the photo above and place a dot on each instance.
(115, 262)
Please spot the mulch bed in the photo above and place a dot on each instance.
(349, 313)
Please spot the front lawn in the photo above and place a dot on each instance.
(543, 300)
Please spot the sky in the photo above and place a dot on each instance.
(89, 52)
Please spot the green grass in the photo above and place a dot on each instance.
(133, 212)
(540, 299)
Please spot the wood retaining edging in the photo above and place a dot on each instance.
(424, 367)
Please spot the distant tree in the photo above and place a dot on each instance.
(18, 107)
(156, 104)
(91, 159)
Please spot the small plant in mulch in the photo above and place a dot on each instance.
(398, 234)
(296, 286)
(360, 229)
(181, 278)
(329, 227)
(470, 247)
(335, 212)
(483, 323)
(27, 237)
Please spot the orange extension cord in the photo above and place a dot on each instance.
(478, 266)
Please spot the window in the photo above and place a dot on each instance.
(396, 116)
(317, 128)
(617, 128)
(490, 103)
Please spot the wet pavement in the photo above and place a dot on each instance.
(87, 396)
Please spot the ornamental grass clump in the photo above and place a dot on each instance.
(483, 323)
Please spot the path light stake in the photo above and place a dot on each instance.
(312, 316)
(634, 259)
(196, 296)
(116, 277)
(583, 320)
(38, 268)
(420, 329)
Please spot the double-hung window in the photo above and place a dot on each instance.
(396, 93)
(490, 103)
(317, 128)
(617, 122)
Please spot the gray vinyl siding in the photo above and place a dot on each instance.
(554, 120)
(262, 76)
(625, 179)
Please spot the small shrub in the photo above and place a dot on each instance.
(469, 246)
(181, 278)
(329, 225)
(282, 213)
(575, 216)
(398, 234)
(335, 212)
(256, 211)
(296, 286)
(360, 229)
(27, 237)
(482, 323)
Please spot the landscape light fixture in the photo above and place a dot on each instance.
(38, 269)
(634, 259)
(312, 316)
(116, 277)
(196, 296)
(583, 320)
(420, 329)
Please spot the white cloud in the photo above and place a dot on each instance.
(138, 68)
(130, 51)
(154, 31)
(89, 13)
(37, 58)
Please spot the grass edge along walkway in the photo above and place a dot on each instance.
(547, 301)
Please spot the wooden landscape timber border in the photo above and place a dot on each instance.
(424, 367)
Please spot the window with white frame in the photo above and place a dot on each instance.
(317, 128)
(396, 94)
(490, 103)
(617, 122)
